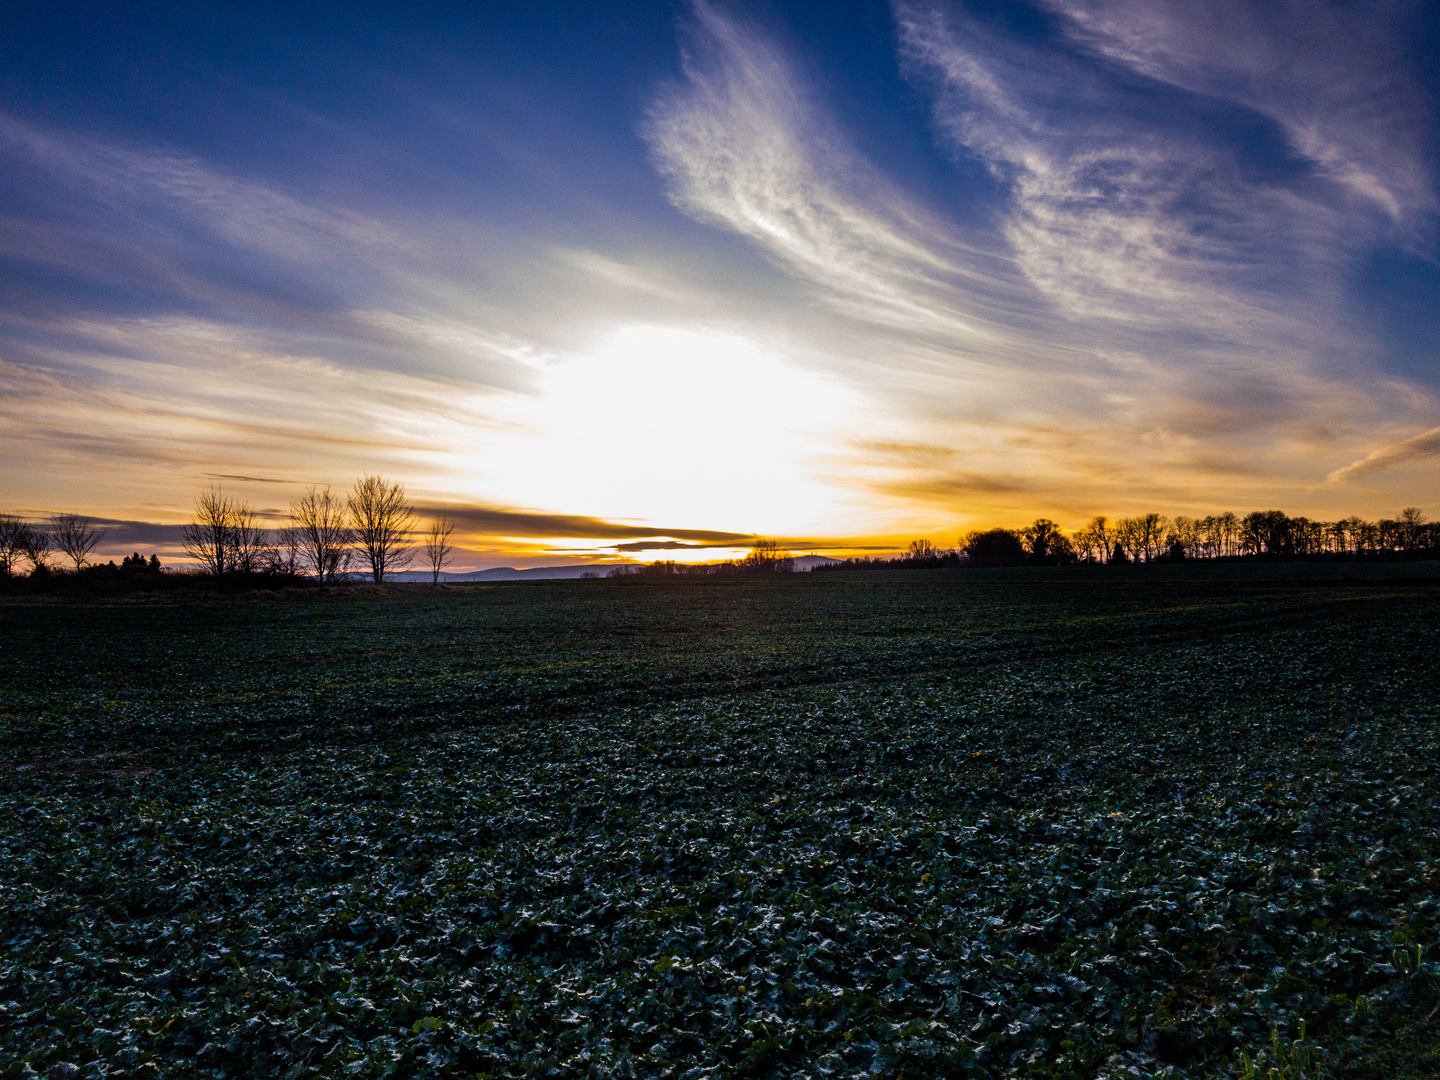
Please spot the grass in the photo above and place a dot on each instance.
(1054, 824)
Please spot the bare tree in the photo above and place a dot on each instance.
(438, 548)
(1339, 536)
(1184, 537)
(325, 540)
(35, 545)
(1355, 533)
(1207, 536)
(1153, 528)
(1094, 541)
(250, 547)
(207, 536)
(1269, 532)
(1306, 537)
(1252, 533)
(1412, 527)
(12, 542)
(226, 537)
(382, 522)
(286, 557)
(1228, 526)
(920, 550)
(1129, 538)
(1044, 538)
(768, 557)
(75, 537)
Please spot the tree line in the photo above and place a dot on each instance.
(70, 536)
(373, 527)
(1261, 533)
(1270, 534)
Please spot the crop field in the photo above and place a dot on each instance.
(925, 824)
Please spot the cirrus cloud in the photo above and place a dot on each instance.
(1416, 448)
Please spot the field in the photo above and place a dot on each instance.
(1048, 824)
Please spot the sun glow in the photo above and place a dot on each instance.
(692, 428)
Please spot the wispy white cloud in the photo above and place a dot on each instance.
(1337, 78)
(245, 214)
(743, 148)
(169, 231)
(1407, 451)
(1115, 215)
(153, 403)
(466, 341)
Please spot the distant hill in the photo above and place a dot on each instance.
(506, 573)
(809, 562)
(574, 570)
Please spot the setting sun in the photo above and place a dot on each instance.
(667, 425)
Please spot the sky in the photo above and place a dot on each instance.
(652, 280)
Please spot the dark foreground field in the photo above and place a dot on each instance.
(1041, 824)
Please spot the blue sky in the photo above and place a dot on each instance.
(598, 275)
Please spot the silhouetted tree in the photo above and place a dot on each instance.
(286, 556)
(1183, 539)
(438, 548)
(1267, 532)
(993, 547)
(1210, 536)
(766, 556)
(35, 545)
(75, 537)
(1252, 533)
(138, 564)
(207, 536)
(12, 542)
(1045, 540)
(381, 522)
(1152, 534)
(1130, 538)
(1304, 537)
(1093, 541)
(250, 547)
(323, 533)
(921, 550)
(226, 537)
(1413, 533)
(1347, 535)
(1142, 537)
(1227, 533)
